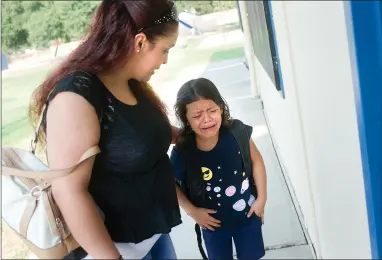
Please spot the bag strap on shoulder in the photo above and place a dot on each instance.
(50, 174)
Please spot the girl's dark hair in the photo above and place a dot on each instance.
(109, 42)
(194, 90)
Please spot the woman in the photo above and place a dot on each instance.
(99, 95)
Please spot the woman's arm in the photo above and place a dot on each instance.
(175, 134)
(72, 128)
(259, 172)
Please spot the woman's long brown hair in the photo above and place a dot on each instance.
(106, 46)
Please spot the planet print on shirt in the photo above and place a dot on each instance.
(208, 188)
(230, 191)
(251, 200)
(239, 205)
(244, 186)
(207, 173)
(217, 189)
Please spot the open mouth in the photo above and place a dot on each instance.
(207, 128)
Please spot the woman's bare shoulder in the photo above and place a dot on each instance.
(72, 127)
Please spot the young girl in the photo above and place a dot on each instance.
(220, 174)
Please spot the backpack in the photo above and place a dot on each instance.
(28, 207)
(194, 187)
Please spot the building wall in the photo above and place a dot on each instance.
(314, 128)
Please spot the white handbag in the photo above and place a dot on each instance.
(28, 207)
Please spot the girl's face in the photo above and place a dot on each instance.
(204, 117)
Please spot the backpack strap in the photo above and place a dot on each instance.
(185, 150)
(194, 186)
(242, 134)
(199, 238)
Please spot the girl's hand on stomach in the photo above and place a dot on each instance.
(203, 218)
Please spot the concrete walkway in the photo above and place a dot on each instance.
(283, 235)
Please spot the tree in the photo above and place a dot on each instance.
(77, 16)
(37, 23)
(14, 35)
(46, 24)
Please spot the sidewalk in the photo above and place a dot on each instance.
(282, 231)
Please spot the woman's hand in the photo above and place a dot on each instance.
(203, 218)
(258, 208)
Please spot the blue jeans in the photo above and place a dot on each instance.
(248, 242)
(162, 249)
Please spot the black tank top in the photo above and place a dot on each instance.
(132, 180)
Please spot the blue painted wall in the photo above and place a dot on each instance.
(365, 23)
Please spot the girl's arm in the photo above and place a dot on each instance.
(259, 172)
(184, 202)
(71, 130)
(200, 215)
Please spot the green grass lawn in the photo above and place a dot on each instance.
(16, 93)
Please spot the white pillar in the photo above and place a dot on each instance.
(248, 49)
